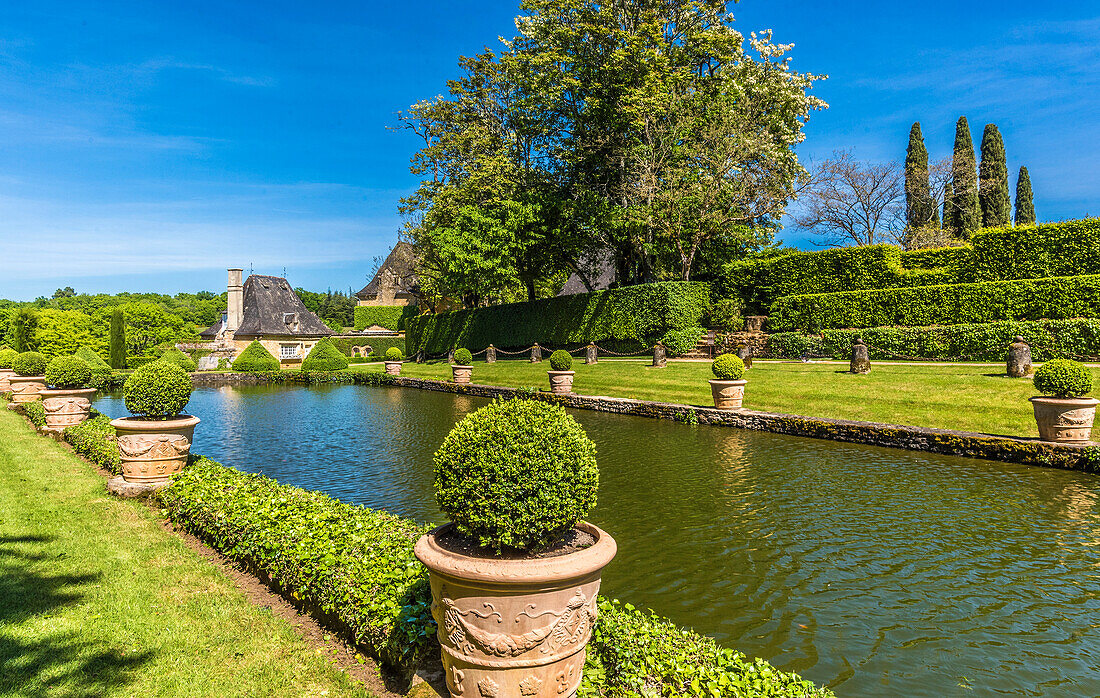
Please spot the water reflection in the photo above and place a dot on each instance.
(874, 570)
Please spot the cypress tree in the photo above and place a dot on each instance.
(965, 212)
(993, 180)
(1025, 206)
(920, 209)
(23, 325)
(118, 339)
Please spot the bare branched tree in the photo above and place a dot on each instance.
(845, 201)
(934, 235)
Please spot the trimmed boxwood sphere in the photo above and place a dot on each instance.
(7, 356)
(516, 474)
(1063, 378)
(157, 390)
(393, 354)
(325, 357)
(463, 357)
(560, 360)
(255, 358)
(728, 367)
(29, 363)
(68, 373)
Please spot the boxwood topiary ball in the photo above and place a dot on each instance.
(157, 390)
(728, 367)
(393, 354)
(463, 357)
(68, 373)
(516, 474)
(1063, 378)
(29, 363)
(6, 357)
(560, 360)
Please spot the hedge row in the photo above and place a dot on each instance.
(392, 317)
(378, 344)
(1049, 339)
(642, 314)
(950, 304)
(95, 440)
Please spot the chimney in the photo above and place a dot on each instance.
(235, 305)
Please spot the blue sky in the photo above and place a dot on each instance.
(148, 146)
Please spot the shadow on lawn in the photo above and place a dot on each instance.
(59, 662)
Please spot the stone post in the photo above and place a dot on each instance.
(451, 355)
(744, 352)
(755, 323)
(660, 355)
(420, 357)
(1019, 358)
(590, 353)
(536, 353)
(861, 357)
(491, 354)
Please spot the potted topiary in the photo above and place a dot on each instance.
(462, 369)
(561, 377)
(6, 372)
(67, 402)
(727, 387)
(155, 442)
(28, 380)
(393, 361)
(516, 573)
(1061, 413)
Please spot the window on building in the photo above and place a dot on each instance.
(288, 351)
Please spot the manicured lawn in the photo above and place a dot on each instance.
(96, 599)
(967, 397)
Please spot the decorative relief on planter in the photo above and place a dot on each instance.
(393, 368)
(1064, 420)
(488, 688)
(5, 374)
(561, 382)
(26, 389)
(462, 374)
(151, 451)
(160, 446)
(64, 412)
(728, 395)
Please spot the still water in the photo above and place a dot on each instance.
(875, 571)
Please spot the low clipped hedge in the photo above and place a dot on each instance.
(951, 304)
(35, 412)
(325, 357)
(392, 317)
(378, 345)
(101, 372)
(680, 342)
(255, 358)
(94, 439)
(642, 314)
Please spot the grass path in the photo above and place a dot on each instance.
(97, 599)
(966, 397)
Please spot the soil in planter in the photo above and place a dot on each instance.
(455, 542)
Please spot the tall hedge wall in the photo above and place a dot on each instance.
(392, 317)
(642, 313)
(378, 344)
(1057, 297)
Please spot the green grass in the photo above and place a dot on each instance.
(966, 397)
(97, 599)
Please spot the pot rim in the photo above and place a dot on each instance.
(739, 381)
(17, 377)
(561, 373)
(137, 424)
(454, 366)
(1075, 401)
(62, 392)
(522, 572)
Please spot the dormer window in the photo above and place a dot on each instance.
(291, 321)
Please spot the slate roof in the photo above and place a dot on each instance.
(271, 307)
(215, 329)
(397, 274)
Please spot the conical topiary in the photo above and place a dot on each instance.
(177, 357)
(1025, 206)
(255, 358)
(962, 214)
(920, 209)
(325, 357)
(993, 180)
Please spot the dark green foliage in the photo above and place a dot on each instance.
(378, 345)
(157, 390)
(94, 360)
(728, 367)
(255, 358)
(641, 313)
(325, 357)
(94, 439)
(68, 373)
(993, 181)
(118, 339)
(561, 360)
(29, 363)
(1025, 205)
(463, 357)
(7, 356)
(1063, 378)
(139, 361)
(393, 354)
(962, 214)
(392, 317)
(35, 412)
(177, 357)
(920, 208)
(516, 474)
(21, 335)
(682, 341)
(953, 304)
(724, 315)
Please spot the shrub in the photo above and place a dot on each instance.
(561, 360)
(29, 363)
(728, 367)
(1063, 378)
(725, 315)
(158, 390)
(35, 412)
(393, 354)
(94, 361)
(378, 345)
(68, 373)
(463, 357)
(325, 357)
(392, 317)
(255, 358)
(94, 439)
(6, 357)
(177, 357)
(682, 341)
(139, 361)
(516, 474)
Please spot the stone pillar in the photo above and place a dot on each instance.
(744, 352)
(660, 355)
(420, 357)
(861, 357)
(451, 355)
(590, 353)
(536, 353)
(1019, 358)
(491, 354)
(234, 301)
(755, 323)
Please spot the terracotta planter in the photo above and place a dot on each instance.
(152, 450)
(5, 374)
(461, 374)
(26, 388)
(1064, 419)
(728, 394)
(514, 628)
(393, 367)
(561, 382)
(66, 408)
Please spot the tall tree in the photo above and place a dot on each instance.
(962, 213)
(848, 202)
(920, 209)
(118, 339)
(993, 180)
(23, 325)
(1025, 206)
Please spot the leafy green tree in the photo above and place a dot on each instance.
(920, 207)
(962, 213)
(993, 180)
(64, 331)
(22, 329)
(66, 292)
(118, 339)
(1025, 206)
